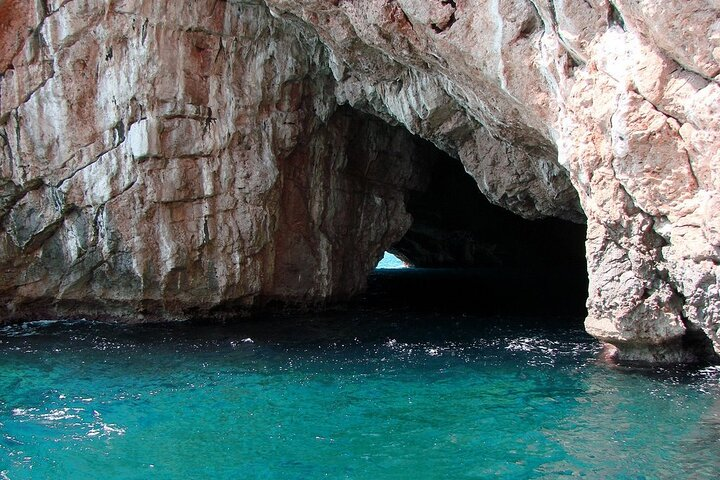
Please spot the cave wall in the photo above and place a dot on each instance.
(149, 147)
(168, 159)
(618, 99)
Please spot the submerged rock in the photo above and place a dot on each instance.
(170, 159)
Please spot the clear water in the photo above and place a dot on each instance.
(390, 261)
(351, 395)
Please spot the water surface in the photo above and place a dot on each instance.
(354, 394)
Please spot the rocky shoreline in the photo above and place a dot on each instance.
(177, 157)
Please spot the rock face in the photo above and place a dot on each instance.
(163, 160)
(167, 159)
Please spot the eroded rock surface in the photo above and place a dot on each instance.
(161, 159)
(167, 158)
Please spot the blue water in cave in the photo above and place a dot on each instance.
(361, 394)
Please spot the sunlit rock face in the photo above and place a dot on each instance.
(162, 159)
(168, 158)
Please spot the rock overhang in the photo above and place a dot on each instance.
(579, 110)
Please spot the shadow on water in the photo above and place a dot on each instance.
(412, 304)
(427, 304)
(488, 291)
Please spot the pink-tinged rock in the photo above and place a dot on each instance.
(168, 159)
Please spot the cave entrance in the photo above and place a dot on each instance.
(390, 261)
(468, 255)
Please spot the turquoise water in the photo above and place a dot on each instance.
(390, 261)
(348, 395)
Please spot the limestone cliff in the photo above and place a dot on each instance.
(166, 158)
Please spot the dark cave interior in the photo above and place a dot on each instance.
(468, 255)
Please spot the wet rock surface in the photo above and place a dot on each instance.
(160, 159)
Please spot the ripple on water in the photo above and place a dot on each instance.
(344, 398)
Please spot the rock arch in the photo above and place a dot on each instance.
(149, 148)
